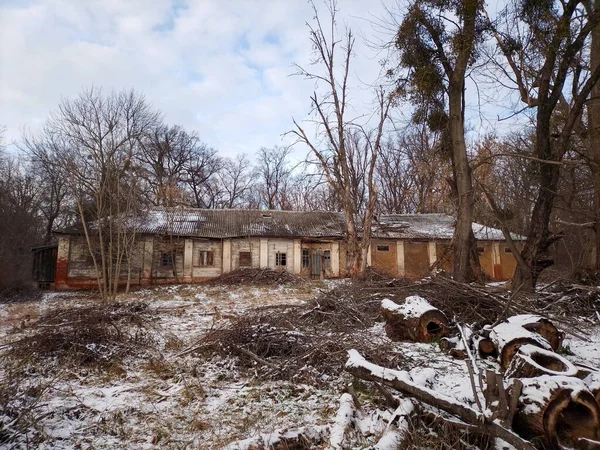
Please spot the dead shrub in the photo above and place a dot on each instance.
(97, 335)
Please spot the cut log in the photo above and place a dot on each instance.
(414, 320)
(509, 337)
(531, 361)
(542, 326)
(485, 347)
(556, 411)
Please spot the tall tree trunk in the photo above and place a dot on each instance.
(464, 187)
(539, 239)
(594, 136)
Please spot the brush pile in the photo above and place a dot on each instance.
(257, 277)
(96, 335)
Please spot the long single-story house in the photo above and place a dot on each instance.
(185, 245)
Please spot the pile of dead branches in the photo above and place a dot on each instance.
(96, 335)
(257, 277)
(283, 344)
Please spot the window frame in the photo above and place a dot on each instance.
(383, 248)
(327, 259)
(281, 259)
(166, 260)
(305, 258)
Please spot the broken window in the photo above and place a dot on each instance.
(383, 248)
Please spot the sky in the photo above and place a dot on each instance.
(221, 68)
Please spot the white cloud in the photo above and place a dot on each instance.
(218, 67)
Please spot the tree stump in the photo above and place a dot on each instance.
(555, 411)
(531, 361)
(542, 326)
(509, 337)
(414, 320)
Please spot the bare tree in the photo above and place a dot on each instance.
(20, 224)
(201, 177)
(411, 174)
(543, 57)
(100, 134)
(343, 142)
(274, 173)
(43, 153)
(165, 153)
(236, 181)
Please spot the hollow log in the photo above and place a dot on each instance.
(556, 411)
(531, 361)
(542, 326)
(414, 320)
(509, 337)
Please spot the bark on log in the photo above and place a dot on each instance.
(414, 320)
(509, 337)
(556, 411)
(542, 326)
(531, 361)
(402, 382)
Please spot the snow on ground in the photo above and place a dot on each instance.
(193, 402)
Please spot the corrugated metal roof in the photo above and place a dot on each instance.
(231, 223)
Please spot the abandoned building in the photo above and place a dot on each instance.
(175, 245)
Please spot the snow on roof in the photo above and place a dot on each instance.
(429, 226)
(230, 223)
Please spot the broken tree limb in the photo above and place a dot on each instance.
(402, 382)
(531, 361)
(304, 437)
(414, 320)
(509, 337)
(343, 422)
(542, 326)
(393, 436)
(556, 410)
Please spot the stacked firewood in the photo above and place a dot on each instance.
(536, 397)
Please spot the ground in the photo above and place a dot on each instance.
(170, 397)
